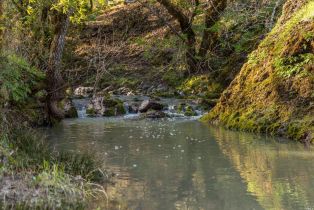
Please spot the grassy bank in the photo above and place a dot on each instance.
(34, 177)
(31, 175)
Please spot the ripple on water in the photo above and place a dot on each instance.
(186, 163)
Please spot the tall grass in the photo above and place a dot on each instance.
(38, 178)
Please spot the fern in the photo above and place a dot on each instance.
(17, 78)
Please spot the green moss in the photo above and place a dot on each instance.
(109, 102)
(293, 65)
(91, 112)
(272, 93)
(72, 113)
(189, 111)
(109, 112)
(120, 109)
(173, 78)
(181, 107)
(203, 86)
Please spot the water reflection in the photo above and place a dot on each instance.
(187, 165)
(279, 174)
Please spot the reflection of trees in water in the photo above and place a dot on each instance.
(234, 172)
(187, 183)
(281, 176)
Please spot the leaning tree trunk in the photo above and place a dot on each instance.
(212, 15)
(55, 82)
(186, 28)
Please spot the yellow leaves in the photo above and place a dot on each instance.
(30, 10)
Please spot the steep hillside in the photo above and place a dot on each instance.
(132, 46)
(274, 91)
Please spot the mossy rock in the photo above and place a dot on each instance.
(109, 112)
(91, 112)
(109, 102)
(71, 113)
(153, 114)
(189, 111)
(181, 107)
(120, 110)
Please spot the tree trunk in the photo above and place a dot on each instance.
(213, 12)
(1, 20)
(186, 28)
(91, 5)
(55, 82)
(191, 53)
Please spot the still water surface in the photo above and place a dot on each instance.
(186, 164)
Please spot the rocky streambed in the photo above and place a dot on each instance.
(84, 103)
(137, 106)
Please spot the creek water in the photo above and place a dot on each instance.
(181, 163)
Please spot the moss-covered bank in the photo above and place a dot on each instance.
(274, 91)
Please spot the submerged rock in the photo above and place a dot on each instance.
(150, 104)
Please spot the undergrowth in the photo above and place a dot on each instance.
(32, 175)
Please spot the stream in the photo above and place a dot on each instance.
(181, 163)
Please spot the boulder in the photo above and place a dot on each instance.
(69, 109)
(103, 106)
(189, 111)
(91, 112)
(133, 108)
(130, 93)
(84, 92)
(95, 106)
(150, 104)
(153, 114)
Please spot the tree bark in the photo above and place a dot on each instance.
(212, 15)
(55, 82)
(91, 5)
(186, 28)
(213, 12)
(1, 23)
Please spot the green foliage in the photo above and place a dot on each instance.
(189, 111)
(18, 78)
(293, 65)
(201, 85)
(172, 77)
(109, 112)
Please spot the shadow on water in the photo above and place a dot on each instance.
(184, 164)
